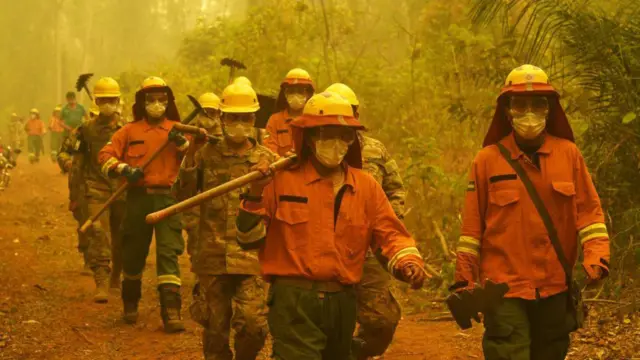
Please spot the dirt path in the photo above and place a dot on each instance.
(46, 308)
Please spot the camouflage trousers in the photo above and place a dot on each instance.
(105, 236)
(80, 214)
(231, 300)
(378, 311)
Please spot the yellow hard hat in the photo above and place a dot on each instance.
(34, 111)
(344, 91)
(106, 87)
(153, 82)
(57, 108)
(297, 76)
(242, 80)
(239, 98)
(209, 101)
(328, 104)
(526, 74)
(14, 114)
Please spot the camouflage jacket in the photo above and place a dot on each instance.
(15, 130)
(216, 164)
(82, 147)
(377, 162)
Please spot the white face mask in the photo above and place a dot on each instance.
(156, 109)
(238, 132)
(296, 101)
(34, 116)
(330, 153)
(108, 109)
(529, 125)
(206, 122)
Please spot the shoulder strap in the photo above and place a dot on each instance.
(542, 210)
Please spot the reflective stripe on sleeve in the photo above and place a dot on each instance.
(108, 165)
(399, 255)
(254, 235)
(469, 245)
(594, 231)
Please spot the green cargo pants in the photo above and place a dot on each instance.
(528, 330)
(137, 235)
(310, 324)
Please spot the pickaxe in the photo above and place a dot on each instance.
(180, 127)
(82, 82)
(233, 65)
(197, 110)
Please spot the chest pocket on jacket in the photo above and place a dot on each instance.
(295, 216)
(136, 149)
(564, 194)
(284, 138)
(504, 209)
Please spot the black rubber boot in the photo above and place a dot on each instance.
(170, 305)
(131, 293)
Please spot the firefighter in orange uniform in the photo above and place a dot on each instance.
(504, 238)
(296, 88)
(313, 258)
(155, 114)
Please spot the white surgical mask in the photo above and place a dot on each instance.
(156, 109)
(529, 125)
(206, 122)
(330, 153)
(108, 109)
(238, 132)
(296, 101)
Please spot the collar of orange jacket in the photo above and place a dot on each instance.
(138, 108)
(510, 143)
(311, 175)
(305, 121)
(166, 124)
(557, 122)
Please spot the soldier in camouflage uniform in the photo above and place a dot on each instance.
(378, 311)
(72, 165)
(211, 122)
(227, 273)
(15, 130)
(105, 235)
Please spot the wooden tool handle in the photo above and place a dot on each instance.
(236, 183)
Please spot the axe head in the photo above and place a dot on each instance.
(267, 106)
(232, 63)
(195, 103)
(82, 81)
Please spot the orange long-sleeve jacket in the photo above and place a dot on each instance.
(55, 124)
(504, 238)
(135, 142)
(279, 130)
(300, 237)
(34, 127)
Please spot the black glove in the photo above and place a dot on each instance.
(132, 174)
(177, 137)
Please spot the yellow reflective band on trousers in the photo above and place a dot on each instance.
(169, 279)
(594, 231)
(469, 245)
(132, 277)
